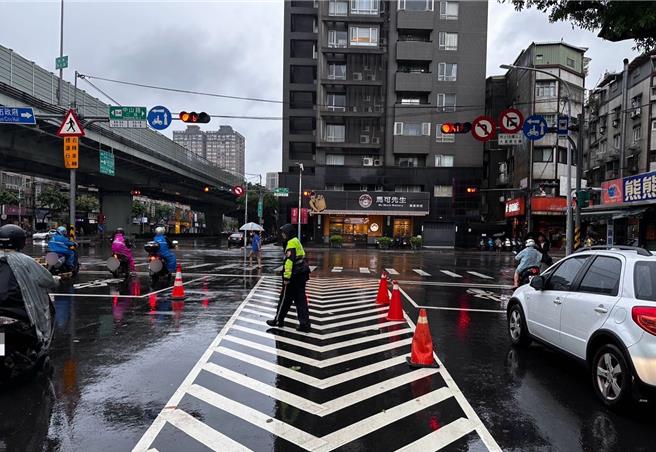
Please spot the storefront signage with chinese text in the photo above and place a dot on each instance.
(641, 187)
(331, 202)
(515, 207)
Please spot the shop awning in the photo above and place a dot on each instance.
(614, 214)
(394, 213)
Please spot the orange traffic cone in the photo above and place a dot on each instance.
(395, 312)
(383, 294)
(178, 287)
(422, 344)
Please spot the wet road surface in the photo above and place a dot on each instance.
(123, 349)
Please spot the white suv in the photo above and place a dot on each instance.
(599, 305)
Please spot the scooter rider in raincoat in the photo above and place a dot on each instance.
(164, 248)
(120, 246)
(295, 274)
(60, 244)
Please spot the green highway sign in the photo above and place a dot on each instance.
(107, 163)
(61, 62)
(281, 192)
(260, 208)
(128, 117)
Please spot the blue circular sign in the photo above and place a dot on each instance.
(159, 118)
(535, 127)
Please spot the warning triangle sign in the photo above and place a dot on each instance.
(70, 126)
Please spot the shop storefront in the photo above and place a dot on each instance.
(363, 217)
(548, 216)
(515, 214)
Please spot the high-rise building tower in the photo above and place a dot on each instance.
(224, 148)
(366, 87)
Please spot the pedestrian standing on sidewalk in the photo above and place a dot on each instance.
(295, 274)
(256, 249)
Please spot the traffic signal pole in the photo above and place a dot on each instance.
(579, 170)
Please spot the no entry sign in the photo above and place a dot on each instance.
(511, 120)
(483, 128)
(237, 190)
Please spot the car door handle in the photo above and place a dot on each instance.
(601, 310)
(557, 301)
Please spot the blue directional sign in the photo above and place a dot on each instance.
(563, 125)
(159, 118)
(17, 115)
(535, 127)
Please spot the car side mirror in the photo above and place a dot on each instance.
(537, 282)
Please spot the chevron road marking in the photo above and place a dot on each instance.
(313, 268)
(337, 269)
(322, 309)
(332, 317)
(480, 275)
(451, 274)
(391, 271)
(364, 270)
(278, 269)
(329, 326)
(198, 266)
(442, 437)
(420, 272)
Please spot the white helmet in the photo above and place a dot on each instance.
(530, 242)
(160, 230)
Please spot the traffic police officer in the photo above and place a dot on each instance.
(296, 273)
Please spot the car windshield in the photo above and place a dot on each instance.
(644, 280)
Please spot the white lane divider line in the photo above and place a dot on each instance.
(420, 272)
(337, 269)
(451, 274)
(364, 270)
(480, 275)
(391, 271)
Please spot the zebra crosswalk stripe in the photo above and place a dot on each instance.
(451, 274)
(480, 275)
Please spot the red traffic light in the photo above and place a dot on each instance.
(307, 193)
(206, 189)
(472, 189)
(456, 127)
(193, 117)
(135, 192)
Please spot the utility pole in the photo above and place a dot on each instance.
(245, 215)
(623, 108)
(300, 197)
(579, 168)
(61, 53)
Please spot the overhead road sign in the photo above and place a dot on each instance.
(128, 117)
(510, 139)
(17, 115)
(70, 126)
(562, 127)
(511, 120)
(107, 163)
(483, 128)
(535, 127)
(61, 62)
(159, 118)
(71, 153)
(281, 192)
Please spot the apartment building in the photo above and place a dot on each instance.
(271, 181)
(225, 148)
(366, 87)
(534, 172)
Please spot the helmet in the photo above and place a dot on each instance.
(160, 230)
(288, 231)
(530, 242)
(119, 231)
(12, 237)
(61, 230)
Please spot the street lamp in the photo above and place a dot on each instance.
(568, 227)
(300, 197)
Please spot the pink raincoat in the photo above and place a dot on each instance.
(119, 247)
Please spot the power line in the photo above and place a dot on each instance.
(101, 91)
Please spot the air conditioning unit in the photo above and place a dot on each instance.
(375, 140)
(366, 129)
(364, 139)
(635, 113)
(357, 76)
(367, 161)
(616, 122)
(371, 76)
(378, 162)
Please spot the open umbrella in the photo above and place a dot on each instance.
(251, 227)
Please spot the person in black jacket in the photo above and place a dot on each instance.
(544, 246)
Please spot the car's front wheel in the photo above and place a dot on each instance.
(611, 376)
(517, 326)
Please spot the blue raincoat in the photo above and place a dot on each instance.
(165, 252)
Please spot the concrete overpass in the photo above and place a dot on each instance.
(144, 159)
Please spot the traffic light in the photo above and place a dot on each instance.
(206, 189)
(456, 127)
(582, 198)
(194, 118)
(135, 192)
(472, 190)
(307, 193)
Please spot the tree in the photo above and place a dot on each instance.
(270, 207)
(139, 209)
(163, 213)
(8, 197)
(87, 203)
(615, 20)
(53, 200)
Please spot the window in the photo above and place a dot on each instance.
(616, 141)
(444, 160)
(408, 162)
(539, 57)
(653, 125)
(543, 155)
(446, 102)
(447, 72)
(443, 137)
(570, 62)
(562, 278)
(603, 276)
(416, 5)
(412, 129)
(644, 280)
(545, 88)
(637, 133)
(337, 39)
(407, 188)
(443, 191)
(364, 36)
(334, 133)
(366, 7)
(337, 8)
(447, 41)
(410, 101)
(449, 10)
(550, 118)
(334, 159)
(336, 102)
(336, 71)
(335, 187)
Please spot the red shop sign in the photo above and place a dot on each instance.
(515, 207)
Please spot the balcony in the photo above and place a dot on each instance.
(414, 81)
(352, 49)
(412, 144)
(415, 20)
(414, 50)
(356, 111)
(360, 81)
(348, 145)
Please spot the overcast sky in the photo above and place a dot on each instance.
(225, 47)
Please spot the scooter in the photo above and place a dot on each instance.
(118, 265)
(527, 274)
(56, 263)
(507, 245)
(156, 263)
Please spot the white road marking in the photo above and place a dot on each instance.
(442, 437)
(420, 272)
(327, 318)
(330, 325)
(337, 269)
(451, 274)
(223, 267)
(278, 269)
(411, 282)
(480, 275)
(364, 270)
(391, 271)
(198, 266)
(313, 268)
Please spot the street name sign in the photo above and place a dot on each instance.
(128, 117)
(71, 153)
(61, 62)
(535, 127)
(511, 120)
(159, 118)
(281, 192)
(107, 163)
(483, 128)
(70, 126)
(260, 208)
(510, 139)
(17, 115)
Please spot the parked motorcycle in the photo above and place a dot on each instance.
(56, 263)
(156, 263)
(119, 266)
(527, 274)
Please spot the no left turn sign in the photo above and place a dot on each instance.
(511, 120)
(483, 128)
